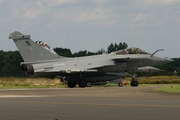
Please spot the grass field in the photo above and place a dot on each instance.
(170, 84)
(30, 83)
(157, 80)
(167, 83)
(173, 88)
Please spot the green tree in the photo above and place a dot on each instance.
(114, 47)
(81, 53)
(63, 52)
(10, 63)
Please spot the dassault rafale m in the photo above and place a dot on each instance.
(42, 61)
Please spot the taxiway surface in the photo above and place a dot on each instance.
(137, 103)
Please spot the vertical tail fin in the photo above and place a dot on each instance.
(29, 50)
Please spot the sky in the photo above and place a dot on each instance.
(94, 24)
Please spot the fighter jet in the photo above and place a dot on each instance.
(41, 61)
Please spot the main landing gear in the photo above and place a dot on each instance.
(71, 84)
(82, 83)
(73, 80)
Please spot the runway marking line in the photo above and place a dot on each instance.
(94, 104)
(22, 96)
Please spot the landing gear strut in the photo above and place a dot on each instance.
(134, 82)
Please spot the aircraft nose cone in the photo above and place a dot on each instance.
(167, 60)
(159, 61)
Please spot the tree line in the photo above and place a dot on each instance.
(10, 60)
(111, 48)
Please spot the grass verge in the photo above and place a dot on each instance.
(169, 89)
(11, 82)
(7, 83)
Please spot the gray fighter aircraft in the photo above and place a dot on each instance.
(41, 61)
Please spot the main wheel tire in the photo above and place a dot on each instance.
(82, 83)
(71, 84)
(120, 84)
(89, 84)
(134, 83)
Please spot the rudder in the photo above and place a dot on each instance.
(29, 50)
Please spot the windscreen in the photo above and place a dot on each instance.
(131, 51)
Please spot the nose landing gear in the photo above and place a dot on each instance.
(134, 82)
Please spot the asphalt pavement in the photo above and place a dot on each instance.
(95, 103)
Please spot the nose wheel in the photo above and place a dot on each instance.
(134, 82)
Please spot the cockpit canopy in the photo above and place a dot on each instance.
(131, 51)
